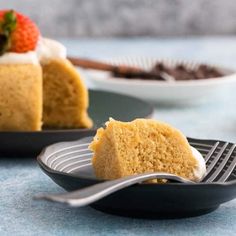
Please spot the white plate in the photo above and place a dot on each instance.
(181, 92)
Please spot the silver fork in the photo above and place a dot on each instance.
(96, 192)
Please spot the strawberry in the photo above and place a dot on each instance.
(17, 32)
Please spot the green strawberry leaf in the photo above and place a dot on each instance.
(9, 21)
(7, 26)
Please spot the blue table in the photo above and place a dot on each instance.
(21, 178)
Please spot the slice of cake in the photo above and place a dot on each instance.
(144, 145)
(65, 97)
(37, 83)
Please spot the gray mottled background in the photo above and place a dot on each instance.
(104, 18)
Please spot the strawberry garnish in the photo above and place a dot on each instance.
(17, 32)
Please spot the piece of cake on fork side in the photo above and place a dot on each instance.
(144, 145)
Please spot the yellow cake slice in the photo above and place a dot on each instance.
(143, 145)
(65, 97)
(20, 97)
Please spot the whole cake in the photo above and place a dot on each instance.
(38, 85)
(144, 145)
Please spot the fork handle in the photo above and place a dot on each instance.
(96, 192)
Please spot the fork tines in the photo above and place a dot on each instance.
(220, 162)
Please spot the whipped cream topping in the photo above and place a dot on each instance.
(19, 58)
(200, 171)
(47, 49)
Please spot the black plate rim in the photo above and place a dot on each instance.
(52, 171)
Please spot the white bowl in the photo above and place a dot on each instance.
(181, 92)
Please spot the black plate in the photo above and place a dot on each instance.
(102, 106)
(69, 165)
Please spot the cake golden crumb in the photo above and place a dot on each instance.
(20, 97)
(65, 97)
(143, 145)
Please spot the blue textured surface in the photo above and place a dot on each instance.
(21, 178)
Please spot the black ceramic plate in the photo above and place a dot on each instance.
(102, 106)
(69, 165)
